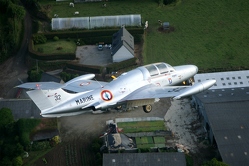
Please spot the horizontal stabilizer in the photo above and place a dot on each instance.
(40, 85)
(79, 84)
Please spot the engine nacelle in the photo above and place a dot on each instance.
(196, 88)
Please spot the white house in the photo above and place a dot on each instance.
(122, 45)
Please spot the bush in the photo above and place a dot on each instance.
(39, 39)
(34, 75)
(121, 65)
(56, 38)
(36, 146)
(17, 161)
(25, 126)
(67, 76)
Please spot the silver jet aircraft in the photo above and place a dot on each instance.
(139, 87)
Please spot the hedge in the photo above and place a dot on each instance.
(120, 65)
(85, 68)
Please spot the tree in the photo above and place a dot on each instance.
(12, 15)
(39, 39)
(6, 118)
(34, 75)
(67, 76)
(17, 161)
(12, 149)
(16, 11)
(31, 4)
(25, 126)
(5, 161)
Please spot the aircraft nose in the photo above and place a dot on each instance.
(195, 69)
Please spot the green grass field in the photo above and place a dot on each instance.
(209, 34)
(61, 46)
(159, 140)
(141, 126)
(147, 142)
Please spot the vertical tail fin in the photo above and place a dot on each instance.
(45, 99)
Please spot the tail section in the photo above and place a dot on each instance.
(45, 99)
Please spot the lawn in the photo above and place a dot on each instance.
(52, 47)
(159, 140)
(147, 142)
(209, 34)
(144, 142)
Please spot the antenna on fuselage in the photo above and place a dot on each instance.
(99, 83)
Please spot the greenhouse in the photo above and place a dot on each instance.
(69, 23)
(115, 21)
(96, 22)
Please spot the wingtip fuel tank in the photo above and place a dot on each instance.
(196, 88)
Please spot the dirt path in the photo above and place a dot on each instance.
(14, 70)
(10, 77)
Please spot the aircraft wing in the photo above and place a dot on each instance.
(76, 86)
(152, 91)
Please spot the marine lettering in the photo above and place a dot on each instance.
(84, 99)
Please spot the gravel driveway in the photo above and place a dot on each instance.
(90, 55)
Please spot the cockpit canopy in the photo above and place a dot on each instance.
(143, 73)
(159, 68)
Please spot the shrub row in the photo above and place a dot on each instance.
(121, 65)
(90, 33)
(98, 69)
(95, 36)
(85, 68)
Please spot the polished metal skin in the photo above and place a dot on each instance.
(139, 87)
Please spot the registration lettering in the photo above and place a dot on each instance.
(84, 99)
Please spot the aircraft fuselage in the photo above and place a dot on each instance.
(158, 74)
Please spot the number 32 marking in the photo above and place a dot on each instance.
(57, 97)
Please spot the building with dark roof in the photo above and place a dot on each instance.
(49, 78)
(225, 115)
(122, 45)
(115, 141)
(45, 135)
(21, 108)
(142, 159)
(25, 107)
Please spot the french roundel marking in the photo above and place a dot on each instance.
(106, 95)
